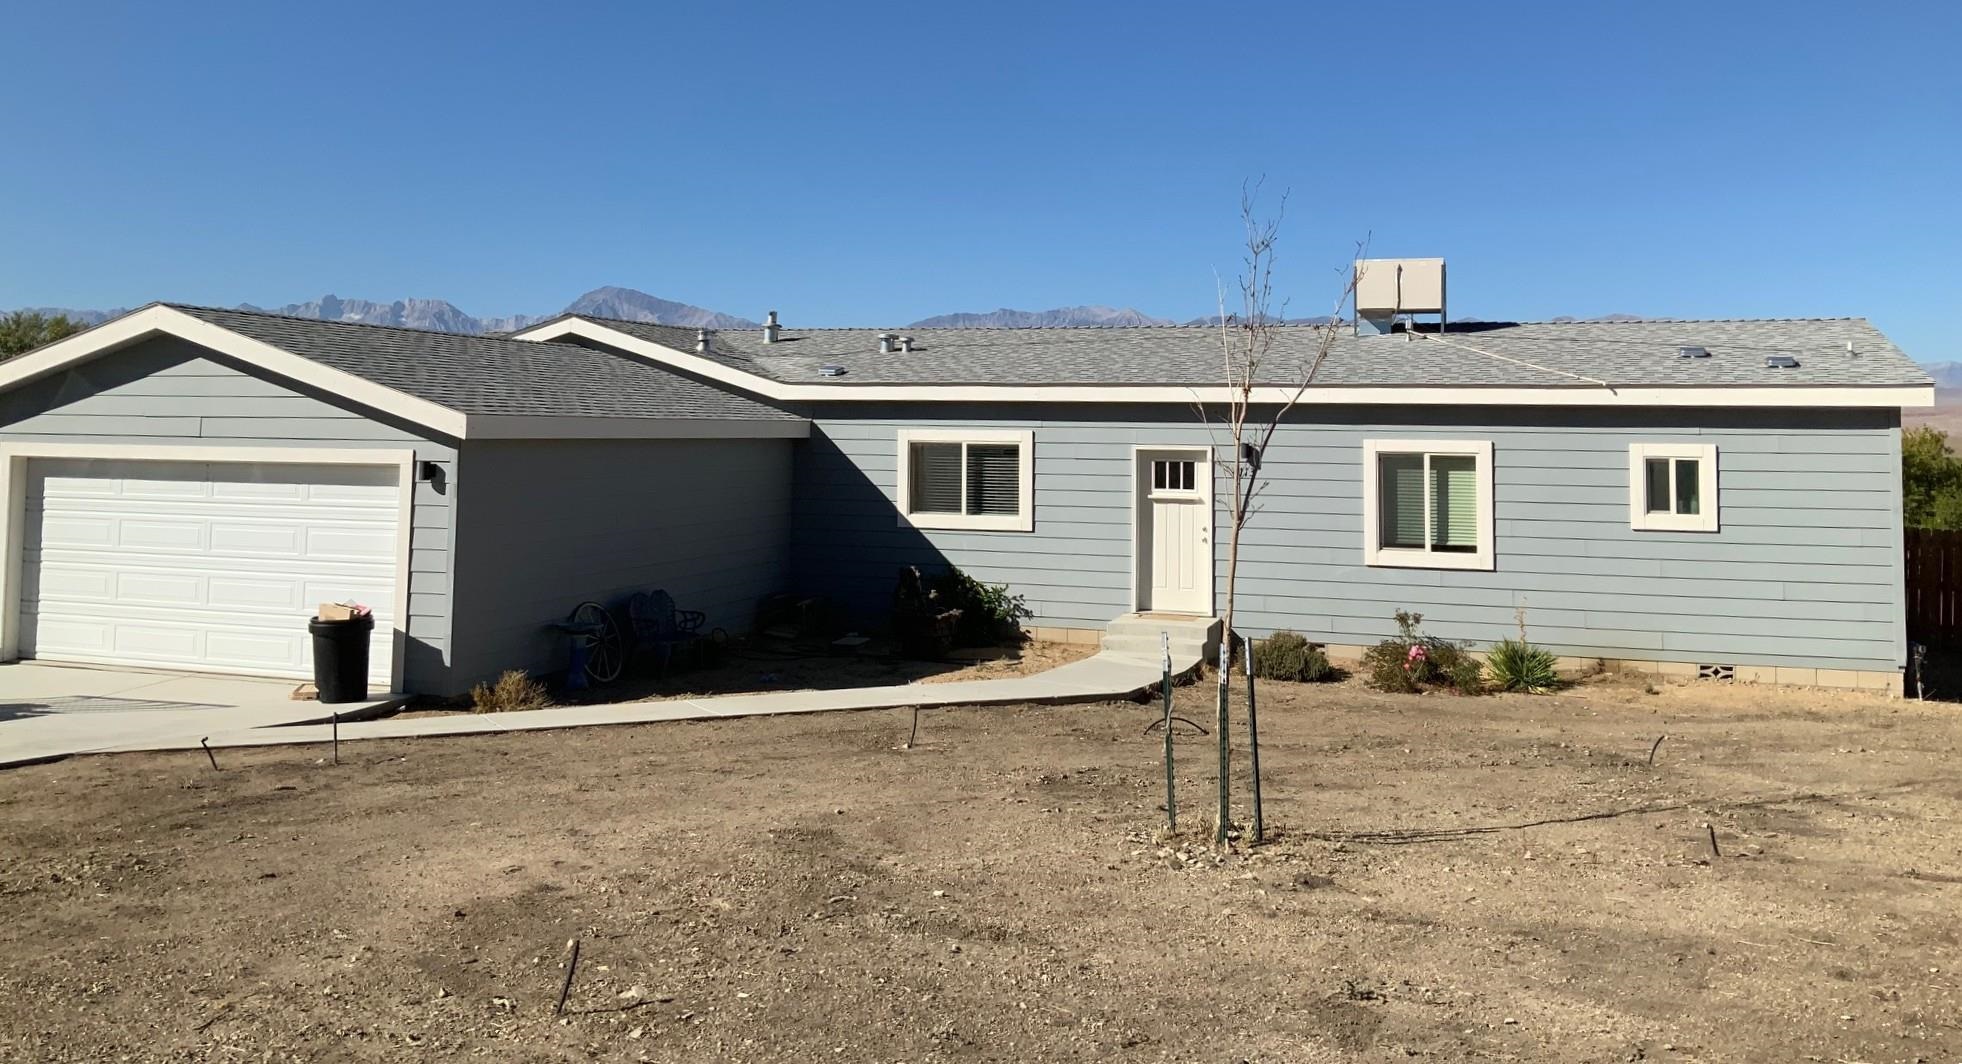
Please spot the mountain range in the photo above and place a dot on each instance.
(627, 304)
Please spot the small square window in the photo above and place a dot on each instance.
(1672, 487)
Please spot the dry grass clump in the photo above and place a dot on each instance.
(514, 690)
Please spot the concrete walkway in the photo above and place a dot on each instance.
(1100, 678)
(49, 711)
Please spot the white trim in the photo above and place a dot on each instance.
(1141, 499)
(154, 321)
(1376, 554)
(14, 456)
(1021, 521)
(1639, 517)
(1319, 395)
(536, 427)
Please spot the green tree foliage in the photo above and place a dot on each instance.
(1931, 480)
(23, 331)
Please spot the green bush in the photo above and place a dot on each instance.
(1287, 656)
(1517, 665)
(1413, 661)
(989, 613)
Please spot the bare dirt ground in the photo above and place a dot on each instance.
(802, 888)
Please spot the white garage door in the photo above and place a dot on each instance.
(206, 566)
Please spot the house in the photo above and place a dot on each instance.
(183, 483)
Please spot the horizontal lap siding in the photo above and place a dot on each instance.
(166, 392)
(1805, 570)
(552, 523)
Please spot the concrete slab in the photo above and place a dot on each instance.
(1099, 678)
(49, 711)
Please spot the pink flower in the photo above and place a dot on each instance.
(1415, 657)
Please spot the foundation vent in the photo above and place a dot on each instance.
(1716, 672)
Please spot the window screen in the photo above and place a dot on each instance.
(1429, 502)
(971, 479)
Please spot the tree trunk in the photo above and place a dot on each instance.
(1225, 649)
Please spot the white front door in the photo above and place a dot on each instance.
(1175, 525)
(207, 566)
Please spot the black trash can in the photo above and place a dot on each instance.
(340, 657)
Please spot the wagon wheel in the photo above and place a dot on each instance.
(604, 655)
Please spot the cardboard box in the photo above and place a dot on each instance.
(339, 611)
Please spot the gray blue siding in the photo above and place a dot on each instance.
(1805, 570)
(552, 523)
(165, 391)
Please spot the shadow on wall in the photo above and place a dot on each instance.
(847, 543)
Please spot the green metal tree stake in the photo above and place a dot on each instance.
(1253, 747)
(1171, 796)
(1225, 743)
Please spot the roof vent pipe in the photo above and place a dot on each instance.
(701, 341)
(906, 344)
(770, 328)
(885, 343)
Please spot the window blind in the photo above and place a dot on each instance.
(1401, 481)
(1454, 502)
(994, 479)
(936, 478)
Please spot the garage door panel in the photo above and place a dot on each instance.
(76, 531)
(156, 642)
(167, 537)
(169, 590)
(261, 650)
(348, 543)
(232, 537)
(204, 565)
(233, 593)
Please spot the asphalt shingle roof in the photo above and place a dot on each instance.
(1542, 354)
(494, 375)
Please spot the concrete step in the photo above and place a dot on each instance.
(1150, 644)
(1190, 639)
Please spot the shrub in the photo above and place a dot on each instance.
(1287, 656)
(1517, 665)
(989, 613)
(1412, 661)
(513, 691)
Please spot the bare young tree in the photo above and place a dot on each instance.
(1261, 391)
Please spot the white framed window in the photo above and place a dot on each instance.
(1672, 487)
(1427, 503)
(979, 479)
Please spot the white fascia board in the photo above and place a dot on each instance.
(542, 427)
(166, 321)
(1317, 395)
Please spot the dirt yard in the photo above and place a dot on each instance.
(1502, 879)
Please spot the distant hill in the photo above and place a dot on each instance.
(436, 314)
(1947, 374)
(1061, 317)
(629, 305)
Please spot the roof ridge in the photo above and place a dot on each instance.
(500, 337)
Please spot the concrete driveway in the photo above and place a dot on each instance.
(51, 711)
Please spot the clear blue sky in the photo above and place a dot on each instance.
(859, 164)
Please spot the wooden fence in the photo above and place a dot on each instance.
(1934, 587)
